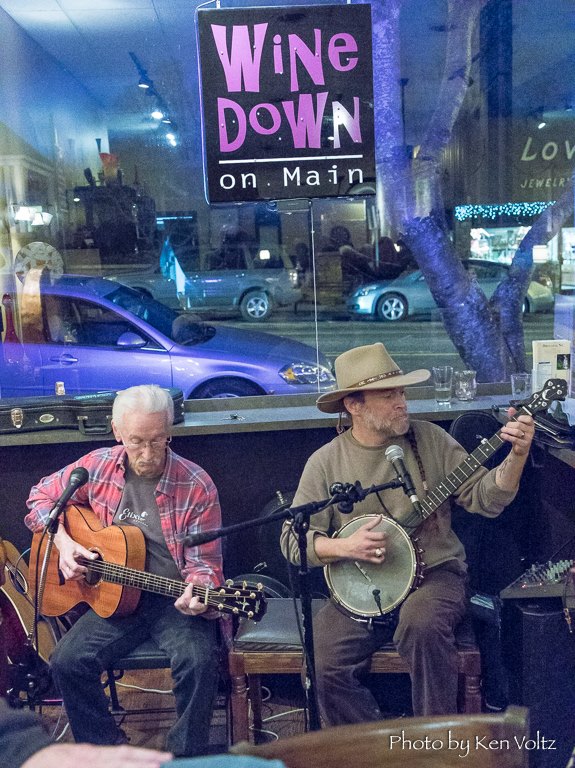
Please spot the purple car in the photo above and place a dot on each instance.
(96, 335)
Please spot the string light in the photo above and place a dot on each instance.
(466, 212)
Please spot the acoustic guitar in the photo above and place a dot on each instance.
(114, 582)
(17, 607)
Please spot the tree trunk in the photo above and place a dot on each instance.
(487, 335)
(465, 311)
(394, 192)
(508, 298)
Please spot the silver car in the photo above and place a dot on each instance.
(409, 294)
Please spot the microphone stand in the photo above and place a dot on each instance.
(32, 675)
(50, 531)
(349, 495)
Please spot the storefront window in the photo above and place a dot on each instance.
(470, 140)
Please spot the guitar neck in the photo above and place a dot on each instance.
(146, 582)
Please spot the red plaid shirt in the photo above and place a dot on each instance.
(186, 496)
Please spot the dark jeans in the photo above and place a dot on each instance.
(424, 638)
(91, 646)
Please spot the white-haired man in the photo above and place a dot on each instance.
(141, 482)
(371, 391)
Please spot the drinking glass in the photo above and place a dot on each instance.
(442, 381)
(520, 385)
(465, 384)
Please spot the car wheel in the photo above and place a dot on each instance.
(227, 387)
(391, 308)
(256, 306)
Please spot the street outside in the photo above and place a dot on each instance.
(413, 344)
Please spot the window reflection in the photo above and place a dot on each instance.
(89, 185)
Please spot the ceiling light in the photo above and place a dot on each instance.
(31, 214)
(41, 218)
(144, 81)
(157, 113)
(542, 124)
(22, 213)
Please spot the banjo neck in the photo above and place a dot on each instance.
(460, 474)
(554, 389)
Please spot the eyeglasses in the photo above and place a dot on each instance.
(135, 444)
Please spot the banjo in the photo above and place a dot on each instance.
(366, 590)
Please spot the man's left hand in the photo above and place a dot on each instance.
(189, 604)
(519, 432)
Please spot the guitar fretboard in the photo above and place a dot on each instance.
(147, 582)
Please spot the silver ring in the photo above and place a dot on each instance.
(378, 552)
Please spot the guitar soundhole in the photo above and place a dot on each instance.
(93, 576)
(18, 580)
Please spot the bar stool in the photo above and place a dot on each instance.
(273, 646)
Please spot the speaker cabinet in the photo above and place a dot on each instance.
(540, 657)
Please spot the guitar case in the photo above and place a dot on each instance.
(90, 413)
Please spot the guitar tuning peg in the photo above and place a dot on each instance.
(229, 583)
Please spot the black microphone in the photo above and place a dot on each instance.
(195, 539)
(78, 477)
(395, 455)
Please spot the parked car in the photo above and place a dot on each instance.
(241, 279)
(234, 278)
(409, 294)
(153, 283)
(94, 334)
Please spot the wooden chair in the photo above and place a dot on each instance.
(495, 740)
(273, 647)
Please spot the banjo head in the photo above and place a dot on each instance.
(352, 583)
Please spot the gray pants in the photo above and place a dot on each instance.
(424, 638)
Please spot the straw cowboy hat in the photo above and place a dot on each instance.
(368, 367)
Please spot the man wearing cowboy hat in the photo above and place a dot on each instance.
(371, 391)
